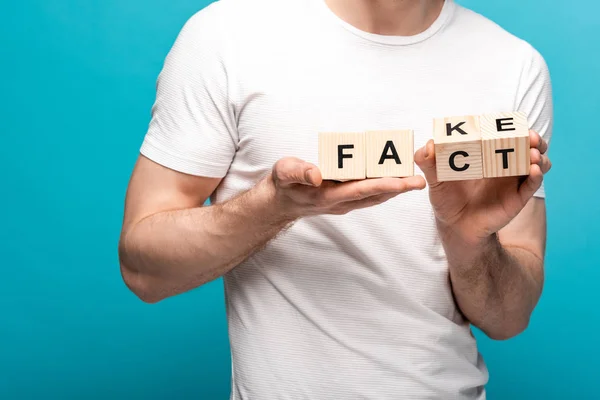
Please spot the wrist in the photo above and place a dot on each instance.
(464, 249)
(275, 207)
(455, 233)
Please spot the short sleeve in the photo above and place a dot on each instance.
(534, 97)
(193, 128)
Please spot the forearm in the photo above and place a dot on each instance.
(172, 252)
(496, 286)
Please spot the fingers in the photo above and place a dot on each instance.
(359, 190)
(537, 142)
(425, 159)
(531, 184)
(542, 160)
(313, 176)
(344, 208)
(290, 171)
(540, 164)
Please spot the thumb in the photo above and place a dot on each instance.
(425, 159)
(290, 170)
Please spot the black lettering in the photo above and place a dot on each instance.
(389, 145)
(501, 123)
(453, 164)
(341, 155)
(450, 128)
(505, 156)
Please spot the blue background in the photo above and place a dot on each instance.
(77, 86)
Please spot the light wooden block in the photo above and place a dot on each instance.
(342, 156)
(505, 144)
(390, 153)
(458, 148)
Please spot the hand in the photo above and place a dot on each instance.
(300, 191)
(477, 209)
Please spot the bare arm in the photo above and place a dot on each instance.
(498, 283)
(170, 243)
(494, 235)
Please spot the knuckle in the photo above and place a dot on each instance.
(280, 164)
(401, 187)
(276, 178)
(286, 164)
(295, 176)
(288, 169)
(540, 161)
(279, 170)
(359, 194)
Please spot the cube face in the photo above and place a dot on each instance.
(458, 148)
(456, 129)
(390, 153)
(342, 155)
(505, 144)
(506, 157)
(502, 125)
(459, 161)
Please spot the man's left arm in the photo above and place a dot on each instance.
(497, 283)
(494, 230)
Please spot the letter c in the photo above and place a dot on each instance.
(453, 164)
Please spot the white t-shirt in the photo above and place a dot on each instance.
(357, 306)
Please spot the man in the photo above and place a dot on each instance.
(350, 290)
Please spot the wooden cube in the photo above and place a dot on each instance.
(390, 153)
(342, 155)
(458, 148)
(505, 144)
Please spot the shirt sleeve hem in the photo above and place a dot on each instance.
(541, 193)
(177, 163)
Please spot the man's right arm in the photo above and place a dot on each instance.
(170, 243)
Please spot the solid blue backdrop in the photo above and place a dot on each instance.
(77, 86)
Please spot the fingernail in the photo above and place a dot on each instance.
(307, 175)
(426, 151)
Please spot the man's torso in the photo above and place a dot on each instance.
(359, 305)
